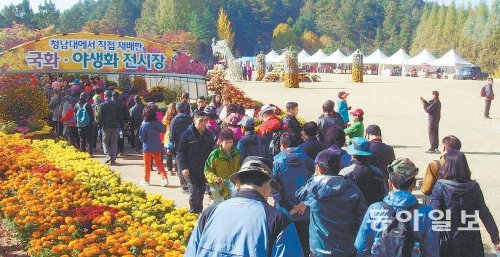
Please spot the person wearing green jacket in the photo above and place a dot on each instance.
(222, 162)
(356, 129)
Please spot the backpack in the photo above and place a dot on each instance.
(397, 239)
(483, 91)
(275, 144)
(97, 112)
(82, 116)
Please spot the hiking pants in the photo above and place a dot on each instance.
(84, 134)
(487, 105)
(434, 135)
(110, 142)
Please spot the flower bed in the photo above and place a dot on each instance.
(62, 203)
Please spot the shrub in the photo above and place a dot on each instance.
(23, 103)
(124, 82)
(139, 84)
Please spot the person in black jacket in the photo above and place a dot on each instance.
(136, 120)
(311, 145)
(488, 96)
(195, 145)
(457, 193)
(251, 144)
(433, 108)
(124, 117)
(111, 121)
(84, 131)
(368, 178)
(382, 154)
(329, 119)
(294, 127)
(178, 125)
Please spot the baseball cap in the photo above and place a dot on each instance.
(257, 165)
(402, 169)
(357, 112)
(325, 158)
(359, 146)
(247, 122)
(373, 130)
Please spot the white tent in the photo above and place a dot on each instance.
(279, 58)
(424, 57)
(303, 55)
(335, 57)
(271, 56)
(375, 58)
(349, 58)
(398, 58)
(318, 57)
(451, 59)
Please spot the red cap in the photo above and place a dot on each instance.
(357, 112)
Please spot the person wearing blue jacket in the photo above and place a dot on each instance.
(335, 140)
(336, 208)
(291, 169)
(149, 134)
(246, 225)
(402, 173)
(343, 108)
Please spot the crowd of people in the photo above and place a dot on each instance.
(338, 189)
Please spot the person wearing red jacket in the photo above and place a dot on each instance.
(70, 122)
(271, 122)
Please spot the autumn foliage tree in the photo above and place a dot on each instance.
(18, 34)
(310, 42)
(224, 29)
(284, 36)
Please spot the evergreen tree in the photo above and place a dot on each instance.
(26, 14)
(201, 25)
(147, 23)
(47, 15)
(9, 14)
(73, 19)
(224, 29)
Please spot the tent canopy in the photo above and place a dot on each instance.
(450, 59)
(280, 58)
(398, 58)
(375, 58)
(303, 55)
(350, 58)
(271, 56)
(318, 57)
(335, 57)
(424, 57)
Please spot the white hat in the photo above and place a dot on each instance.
(265, 108)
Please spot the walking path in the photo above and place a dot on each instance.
(392, 103)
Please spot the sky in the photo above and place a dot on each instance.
(65, 4)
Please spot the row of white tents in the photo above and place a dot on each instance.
(400, 58)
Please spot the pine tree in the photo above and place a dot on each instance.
(450, 28)
(420, 36)
(201, 25)
(224, 29)
(147, 23)
(116, 14)
(25, 14)
(47, 15)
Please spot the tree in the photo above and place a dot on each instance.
(305, 22)
(25, 14)
(102, 26)
(47, 15)
(284, 36)
(202, 26)
(147, 23)
(224, 29)
(310, 42)
(178, 40)
(9, 14)
(19, 33)
(73, 19)
(327, 44)
(120, 13)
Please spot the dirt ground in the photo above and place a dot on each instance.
(393, 104)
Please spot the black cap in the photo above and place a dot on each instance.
(373, 130)
(257, 165)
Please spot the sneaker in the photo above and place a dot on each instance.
(108, 160)
(430, 151)
(164, 182)
(487, 117)
(145, 183)
(113, 163)
(437, 151)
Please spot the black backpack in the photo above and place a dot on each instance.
(397, 239)
(275, 143)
